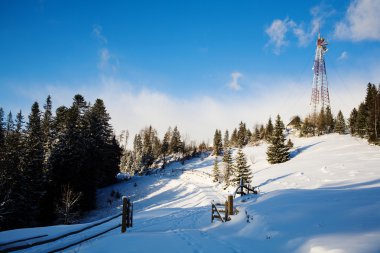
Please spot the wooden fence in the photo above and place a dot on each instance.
(127, 215)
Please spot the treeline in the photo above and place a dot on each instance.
(364, 121)
(149, 152)
(234, 169)
(51, 166)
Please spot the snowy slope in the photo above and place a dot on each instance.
(325, 199)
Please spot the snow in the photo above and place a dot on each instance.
(325, 199)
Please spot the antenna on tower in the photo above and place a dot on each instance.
(320, 98)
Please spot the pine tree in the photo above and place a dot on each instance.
(329, 120)
(215, 171)
(137, 153)
(226, 140)
(352, 121)
(321, 122)
(308, 128)
(32, 163)
(175, 142)
(340, 125)
(277, 151)
(242, 169)
(234, 138)
(218, 145)
(2, 128)
(10, 124)
(47, 129)
(370, 103)
(262, 132)
(361, 120)
(165, 146)
(269, 130)
(242, 135)
(147, 150)
(228, 166)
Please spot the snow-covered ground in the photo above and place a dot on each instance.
(325, 199)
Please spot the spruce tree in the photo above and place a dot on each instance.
(215, 171)
(10, 124)
(329, 120)
(175, 142)
(165, 147)
(242, 169)
(321, 122)
(218, 145)
(47, 129)
(352, 121)
(226, 140)
(137, 153)
(269, 130)
(32, 163)
(340, 124)
(2, 128)
(242, 135)
(228, 166)
(370, 103)
(262, 132)
(234, 138)
(361, 119)
(278, 151)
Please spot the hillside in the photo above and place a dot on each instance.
(325, 199)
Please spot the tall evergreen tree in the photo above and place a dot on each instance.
(228, 166)
(321, 122)
(340, 124)
(234, 138)
(226, 139)
(329, 120)
(278, 151)
(242, 135)
(242, 169)
(32, 163)
(2, 128)
(215, 171)
(352, 121)
(218, 145)
(269, 130)
(10, 124)
(361, 121)
(47, 129)
(175, 142)
(165, 146)
(370, 103)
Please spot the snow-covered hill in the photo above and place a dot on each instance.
(325, 199)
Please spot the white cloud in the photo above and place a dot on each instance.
(305, 33)
(104, 57)
(343, 56)
(361, 22)
(197, 117)
(234, 84)
(97, 32)
(277, 33)
(107, 61)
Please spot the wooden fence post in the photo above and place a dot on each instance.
(124, 215)
(230, 205)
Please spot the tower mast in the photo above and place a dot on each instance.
(320, 97)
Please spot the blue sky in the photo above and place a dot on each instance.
(196, 64)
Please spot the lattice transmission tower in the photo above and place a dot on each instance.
(320, 97)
